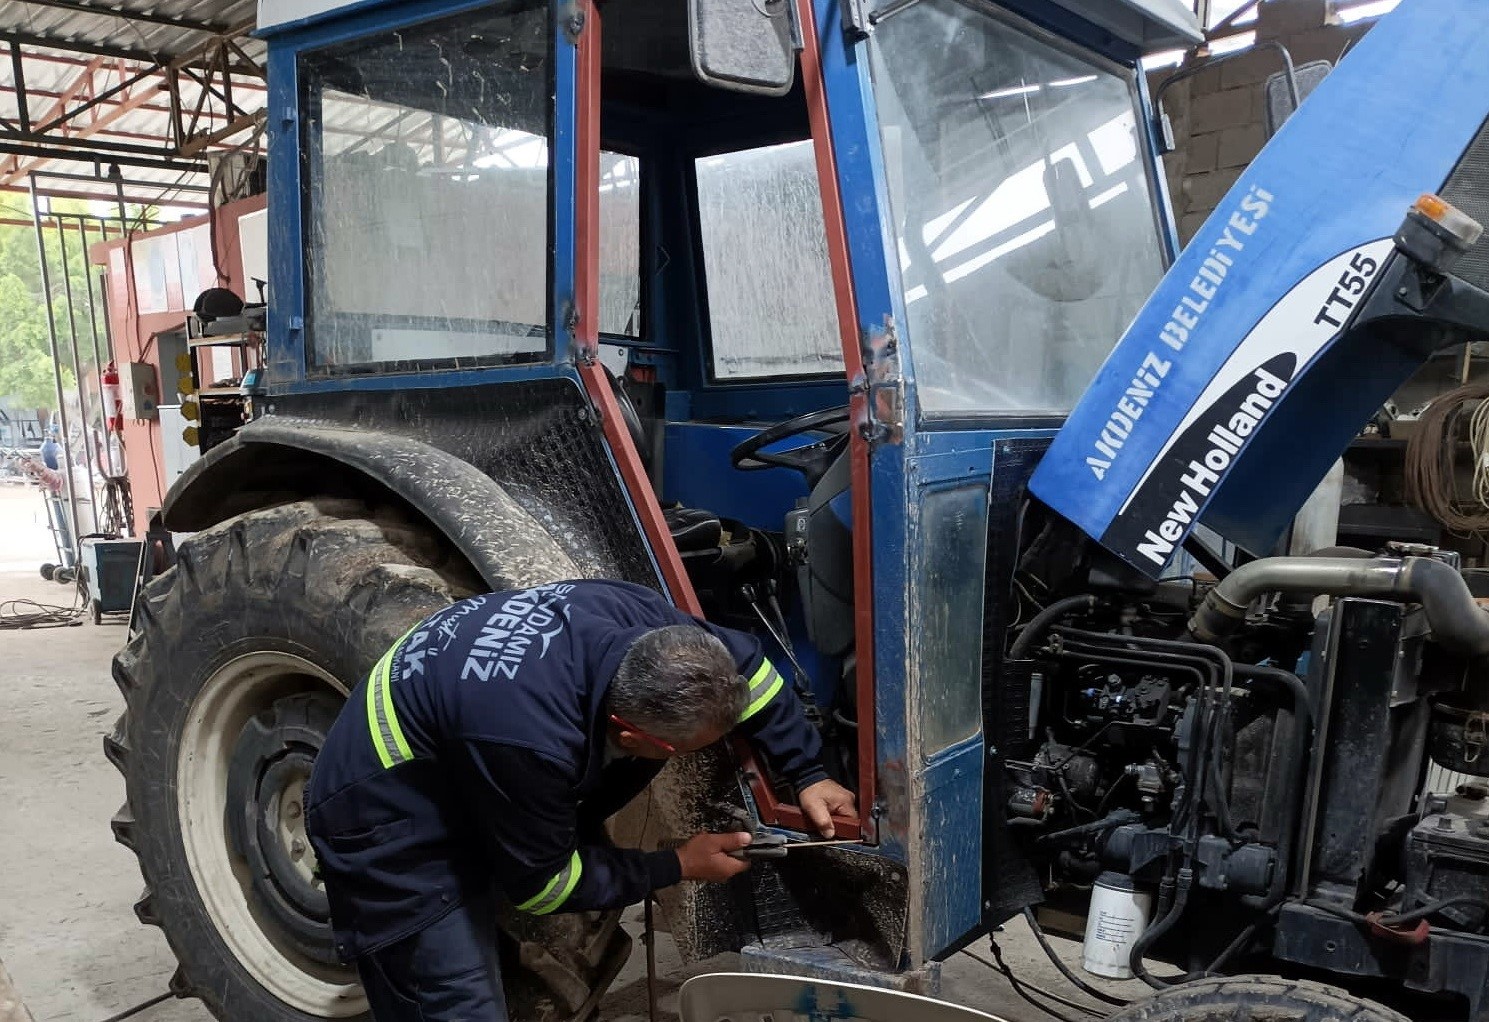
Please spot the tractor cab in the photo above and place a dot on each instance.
(770, 305)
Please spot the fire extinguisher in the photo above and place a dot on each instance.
(113, 398)
(111, 452)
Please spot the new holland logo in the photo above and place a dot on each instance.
(1169, 497)
(1232, 422)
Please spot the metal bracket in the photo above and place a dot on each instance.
(881, 382)
(856, 23)
(573, 23)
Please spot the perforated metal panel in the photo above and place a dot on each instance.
(537, 438)
(1468, 189)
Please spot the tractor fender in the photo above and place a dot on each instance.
(275, 459)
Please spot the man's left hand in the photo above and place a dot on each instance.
(820, 801)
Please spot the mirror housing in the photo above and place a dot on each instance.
(1280, 104)
(743, 45)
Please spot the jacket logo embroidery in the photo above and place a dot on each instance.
(508, 635)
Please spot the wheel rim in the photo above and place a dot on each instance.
(235, 693)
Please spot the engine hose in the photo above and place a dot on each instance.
(1452, 612)
(1157, 930)
(1120, 818)
(1065, 970)
(1040, 622)
(1402, 918)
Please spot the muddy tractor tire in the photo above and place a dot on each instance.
(1255, 997)
(245, 652)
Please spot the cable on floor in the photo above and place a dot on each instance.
(20, 614)
(129, 1012)
(1026, 990)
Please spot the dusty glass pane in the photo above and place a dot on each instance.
(1028, 236)
(948, 593)
(770, 297)
(620, 244)
(426, 159)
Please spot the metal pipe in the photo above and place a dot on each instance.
(98, 179)
(77, 370)
(105, 462)
(59, 147)
(46, 297)
(1452, 612)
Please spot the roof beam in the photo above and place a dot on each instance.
(19, 73)
(94, 49)
(108, 193)
(99, 152)
(145, 17)
(82, 46)
(80, 135)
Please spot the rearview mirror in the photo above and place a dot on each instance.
(743, 45)
(1280, 98)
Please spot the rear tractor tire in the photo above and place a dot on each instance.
(245, 652)
(1255, 997)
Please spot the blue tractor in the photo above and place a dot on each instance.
(776, 306)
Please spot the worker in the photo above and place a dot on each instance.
(483, 754)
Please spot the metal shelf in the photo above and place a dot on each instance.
(224, 341)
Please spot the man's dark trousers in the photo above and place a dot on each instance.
(446, 972)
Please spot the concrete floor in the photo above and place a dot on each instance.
(68, 935)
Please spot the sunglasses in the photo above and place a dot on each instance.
(650, 739)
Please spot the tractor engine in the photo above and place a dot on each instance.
(1287, 762)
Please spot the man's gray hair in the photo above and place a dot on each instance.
(678, 682)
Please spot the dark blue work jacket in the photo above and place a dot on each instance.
(476, 752)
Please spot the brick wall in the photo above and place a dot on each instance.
(1218, 115)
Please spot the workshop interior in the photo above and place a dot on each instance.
(1081, 402)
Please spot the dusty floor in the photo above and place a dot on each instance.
(68, 935)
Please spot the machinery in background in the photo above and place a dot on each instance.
(109, 570)
(541, 270)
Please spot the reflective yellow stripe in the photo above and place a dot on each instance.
(558, 890)
(374, 724)
(382, 718)
(763, 686)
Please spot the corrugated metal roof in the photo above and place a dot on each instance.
(74, 51)
(157, 28)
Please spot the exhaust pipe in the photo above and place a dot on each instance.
(1456, 619)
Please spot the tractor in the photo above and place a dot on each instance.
(773, 306)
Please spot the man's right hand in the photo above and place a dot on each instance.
(706, 857)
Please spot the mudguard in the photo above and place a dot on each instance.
(1271, 341)
(275, 454)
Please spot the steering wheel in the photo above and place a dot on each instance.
(629, 416)
(811, 460)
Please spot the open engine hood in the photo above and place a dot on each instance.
(1246, 374)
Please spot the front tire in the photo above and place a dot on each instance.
(1259, 997)
(245, 652)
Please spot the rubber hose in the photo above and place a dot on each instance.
(1040, 623)
(1157, 930)
(1452, 612)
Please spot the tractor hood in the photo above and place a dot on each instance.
(1247, 374)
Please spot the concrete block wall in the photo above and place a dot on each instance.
(1219, 117)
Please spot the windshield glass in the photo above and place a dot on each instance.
(1028, 231)
(425, 156)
